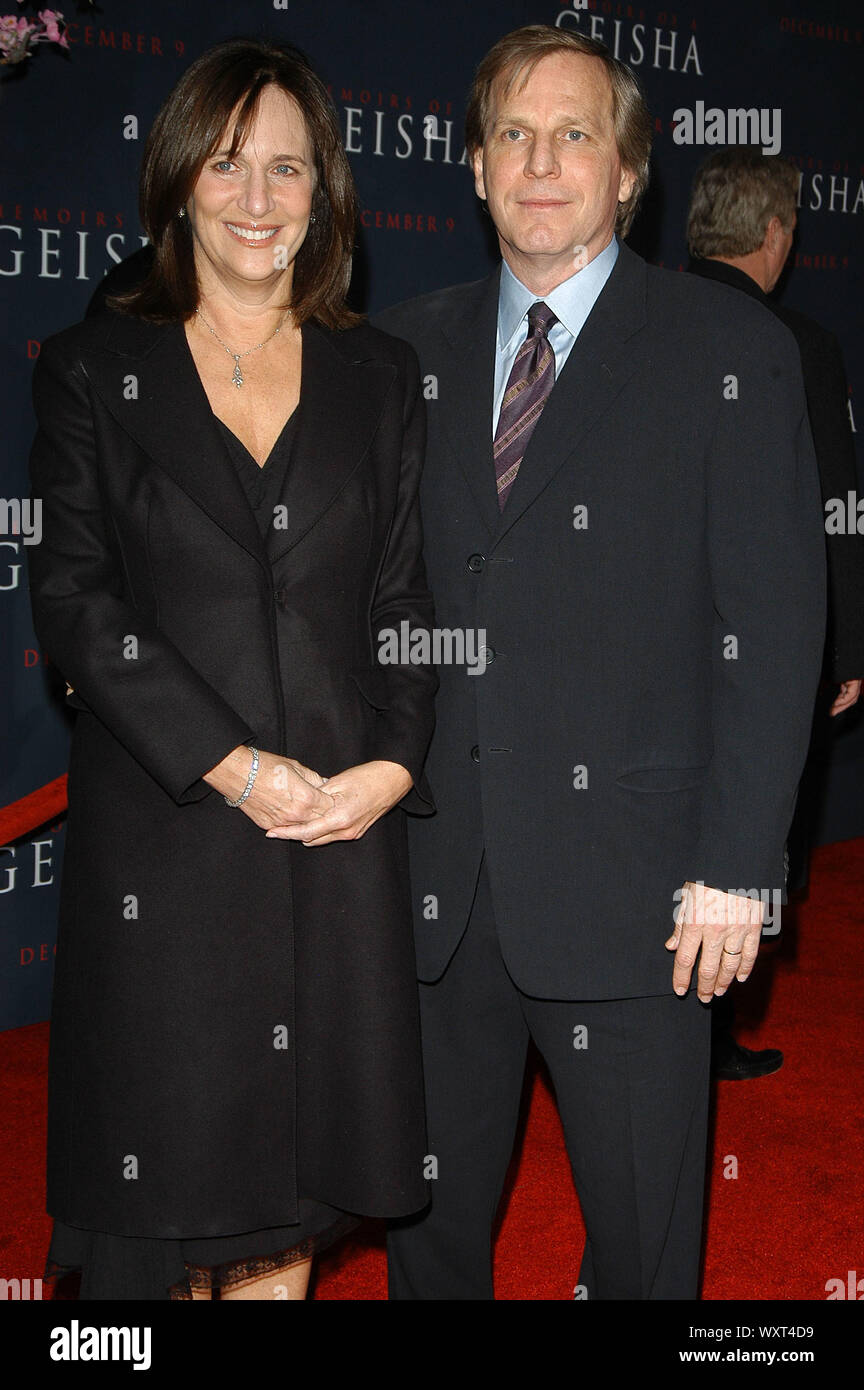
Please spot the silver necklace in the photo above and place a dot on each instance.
(237, 375)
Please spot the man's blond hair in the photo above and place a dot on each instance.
(735, 194)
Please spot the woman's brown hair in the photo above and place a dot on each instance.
(189, 128)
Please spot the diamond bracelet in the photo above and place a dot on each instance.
(253, 772)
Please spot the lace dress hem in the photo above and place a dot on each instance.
(143, 1268)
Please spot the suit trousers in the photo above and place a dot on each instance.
(631, 1079)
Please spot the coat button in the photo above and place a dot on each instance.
(475, 753)
(488, 654)
(476, 563)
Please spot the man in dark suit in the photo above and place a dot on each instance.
(740, 227)
(620, 496)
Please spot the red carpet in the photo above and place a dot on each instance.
(790, 1221)
(35, 809)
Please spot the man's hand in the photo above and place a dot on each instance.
(846, 696)
(361, 795)
(725, 928)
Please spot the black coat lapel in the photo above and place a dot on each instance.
(465, 393)
(597, 368)
(146, 377)
(342, 395)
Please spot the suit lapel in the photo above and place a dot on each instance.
(466, 392)
(145, 375)
(597, 368)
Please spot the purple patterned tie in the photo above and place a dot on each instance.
(531, 379)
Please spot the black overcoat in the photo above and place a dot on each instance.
(235, 1018)
(828, 408)
(653, 603)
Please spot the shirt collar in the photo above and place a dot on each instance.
(571, 301)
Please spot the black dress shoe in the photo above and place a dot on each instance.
(732, 1062)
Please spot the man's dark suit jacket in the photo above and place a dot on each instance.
(825, 387)
(653, 596)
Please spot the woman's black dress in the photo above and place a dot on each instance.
(139, 1267)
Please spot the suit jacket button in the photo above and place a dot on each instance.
(476, 563)
(488, 654)
(475, 753)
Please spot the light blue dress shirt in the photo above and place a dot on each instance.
(572, 302)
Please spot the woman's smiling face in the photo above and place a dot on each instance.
(250, 213)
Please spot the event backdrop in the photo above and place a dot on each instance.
(72, 130)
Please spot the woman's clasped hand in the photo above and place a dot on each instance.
(293, 802)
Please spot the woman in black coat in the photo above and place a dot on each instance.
(228, 463)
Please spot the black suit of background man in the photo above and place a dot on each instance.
(740, 231)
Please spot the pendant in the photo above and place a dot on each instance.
(237, 376)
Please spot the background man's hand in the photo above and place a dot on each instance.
(360, 796)
(846, 696)
(723, 930)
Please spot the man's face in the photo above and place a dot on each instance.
(549, 169)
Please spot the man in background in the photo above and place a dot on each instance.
(740, 230)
